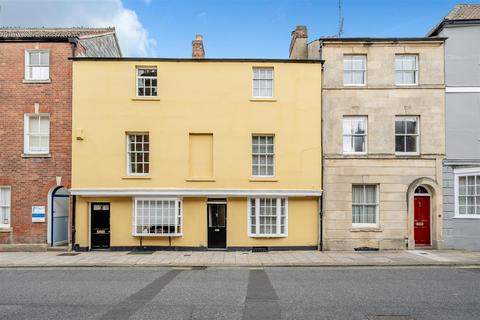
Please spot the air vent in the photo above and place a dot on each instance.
(259, 249)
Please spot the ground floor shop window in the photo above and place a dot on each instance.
(158, 217)
(267, 217)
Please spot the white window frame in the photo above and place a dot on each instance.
(377, 204)
(26, 134)
(263, 154)
(364, 56)
(178, 217)
(365, 119)
(137, 77)
(129, 172)
(272, 80)
(403, 70)
(463, 172)
(417, 135)
(257, 234)
(27, 75)
(4, 225)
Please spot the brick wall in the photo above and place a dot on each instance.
(31, 179)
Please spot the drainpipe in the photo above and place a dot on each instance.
(74, 200)
(321, 200)
(73, 42)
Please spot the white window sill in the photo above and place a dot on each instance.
(156, 235)
(139, 177)
(365, 229)
(146, 99)
(407, 154)
(268, 236)
(33, 81)
(355, 153)
(259, 99)
(466, 217)
(36, 155)
(355, 85)
(200, 179)
(263, 179)
(406, 84)
(6, 229)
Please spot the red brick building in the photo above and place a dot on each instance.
(35, 130)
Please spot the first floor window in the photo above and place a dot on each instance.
(158, 217)
(268, 217)
(406, 69)
(262, 82)
(468, 196)
(364, 205)
(37, 134)
(354, 134)
(147, 82)
(407, 135)
(37, 65)
(354, 70)
(5, 201)
(138, 153)
(263, 156)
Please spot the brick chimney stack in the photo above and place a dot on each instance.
(198, 52)
(298, 44)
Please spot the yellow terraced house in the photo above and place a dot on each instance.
(196, 153)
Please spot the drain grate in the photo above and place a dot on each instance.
(68, 254)
(199, 267)
(366, 249)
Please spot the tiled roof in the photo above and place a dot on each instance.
(461, 13)
(464, 12)
(51, 33)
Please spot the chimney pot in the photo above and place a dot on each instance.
(198, 51)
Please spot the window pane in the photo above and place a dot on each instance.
(357, 194)
(400, 144)
(411, 126)
(370, 194)
(359, 143)
(400, 126)
(411, 143)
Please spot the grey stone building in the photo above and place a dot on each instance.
(461, 171)
(383, 140)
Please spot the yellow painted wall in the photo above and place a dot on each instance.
(195, 97)
(302, 224)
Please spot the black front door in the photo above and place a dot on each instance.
(100, 226)
(217, 226)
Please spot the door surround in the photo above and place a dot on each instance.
(436, 212)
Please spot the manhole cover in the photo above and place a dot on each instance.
(68, 254)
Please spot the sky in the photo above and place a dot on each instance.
(231, 28)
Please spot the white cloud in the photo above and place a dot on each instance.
(132, 35)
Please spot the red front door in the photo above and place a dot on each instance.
(421, 229)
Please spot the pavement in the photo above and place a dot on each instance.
(239, 258)
(370, 293)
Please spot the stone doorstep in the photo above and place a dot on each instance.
(23, 247)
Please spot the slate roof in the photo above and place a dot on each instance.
(50, 33)
(98, 42)
(460, 14)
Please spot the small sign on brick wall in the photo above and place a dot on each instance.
(38, 213)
